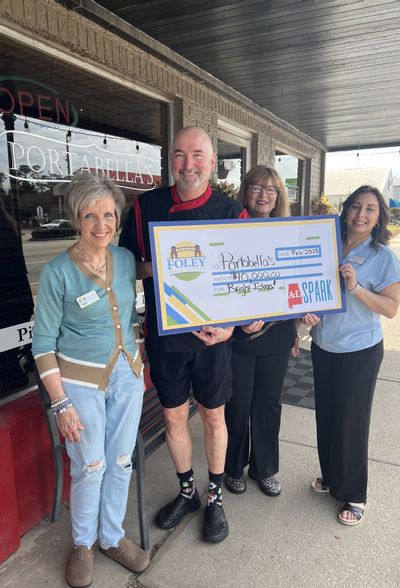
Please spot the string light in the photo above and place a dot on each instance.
(76, 131)
(105, 140)
(26, 124)
(68, 132)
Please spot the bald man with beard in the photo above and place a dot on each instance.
(201, 360)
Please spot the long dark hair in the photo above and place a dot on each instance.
(380, 233)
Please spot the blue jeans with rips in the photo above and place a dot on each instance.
(101, 465)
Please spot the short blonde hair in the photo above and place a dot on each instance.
(85, 188)
(259, 174)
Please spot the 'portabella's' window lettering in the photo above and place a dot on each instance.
(45, 154)
(41, 148)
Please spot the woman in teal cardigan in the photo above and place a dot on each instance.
(88, 358)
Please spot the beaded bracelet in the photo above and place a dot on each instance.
(63, 410)
(58, 400)
(61, 406)
(58, 403)
(58, 406)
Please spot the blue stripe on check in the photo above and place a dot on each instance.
(174, 292)
(178, 318)
(167, 289)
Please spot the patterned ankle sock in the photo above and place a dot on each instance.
(215, 489)
(187, 484)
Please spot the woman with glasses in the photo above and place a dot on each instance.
(261, 352)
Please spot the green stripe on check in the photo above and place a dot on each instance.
(191, 305)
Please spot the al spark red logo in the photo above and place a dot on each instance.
(294, 295)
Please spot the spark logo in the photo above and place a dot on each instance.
(186, 261)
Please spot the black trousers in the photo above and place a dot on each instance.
(255, 411)
(344, 386)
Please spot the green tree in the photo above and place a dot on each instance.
(322, 205)
(229, 189)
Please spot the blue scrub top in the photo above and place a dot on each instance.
(359, 328)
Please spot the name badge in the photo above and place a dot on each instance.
(358, 260)
(87, 299)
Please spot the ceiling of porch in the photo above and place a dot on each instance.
(330, 68)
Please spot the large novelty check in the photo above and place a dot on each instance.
(232, 272)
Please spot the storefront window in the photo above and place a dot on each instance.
(234, 153)
(290, 168)
(43, 143)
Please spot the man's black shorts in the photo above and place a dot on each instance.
(207, 371)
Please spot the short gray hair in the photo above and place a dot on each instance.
(85, 188)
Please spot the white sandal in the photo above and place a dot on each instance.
(356, 509)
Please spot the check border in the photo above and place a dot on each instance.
(198, 317)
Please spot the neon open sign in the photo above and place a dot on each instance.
(28, 97)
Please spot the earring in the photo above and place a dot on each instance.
(377, 226)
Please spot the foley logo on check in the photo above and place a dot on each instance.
(186, 261)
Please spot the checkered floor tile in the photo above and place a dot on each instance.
(298, 388)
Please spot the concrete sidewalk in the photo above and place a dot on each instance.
(294, 540)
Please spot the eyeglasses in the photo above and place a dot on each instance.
(269, 190)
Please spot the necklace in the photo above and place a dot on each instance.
(83, 257)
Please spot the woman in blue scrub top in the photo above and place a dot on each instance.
(347, 351)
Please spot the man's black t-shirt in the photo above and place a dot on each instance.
(164, 205)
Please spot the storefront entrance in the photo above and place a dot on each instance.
(57, 121)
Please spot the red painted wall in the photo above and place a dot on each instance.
(9, 527)
(26, 470)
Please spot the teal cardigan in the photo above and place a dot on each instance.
(82, 322)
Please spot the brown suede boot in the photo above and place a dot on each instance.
(128, 555)
(79, 572)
